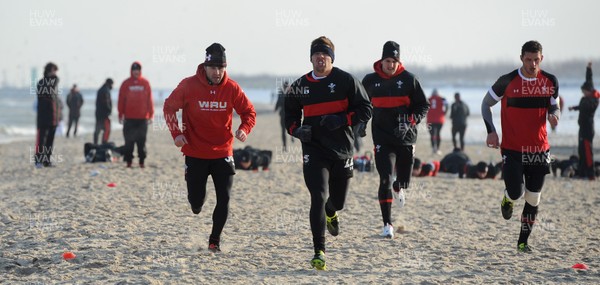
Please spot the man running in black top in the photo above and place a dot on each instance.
(459, 111)
(320, 108)
(587, 108)
(399, 104)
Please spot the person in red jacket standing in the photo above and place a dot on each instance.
(136, 109)
(208, 99)
(435, 119)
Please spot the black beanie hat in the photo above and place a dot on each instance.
(391, 49)
(215, 55)
(136, 66)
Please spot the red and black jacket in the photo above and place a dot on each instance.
(395, 99)
(308, 99)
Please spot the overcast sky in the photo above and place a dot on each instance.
(93, 40)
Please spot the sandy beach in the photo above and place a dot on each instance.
(142, 231)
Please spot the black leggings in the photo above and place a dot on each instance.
(44, 145)
(321, 174)
(517, 165)
(586, 158)
(73, 120)
(388, 157)
(102, 125)
(196, 175)
(460, 130)
(434, 131)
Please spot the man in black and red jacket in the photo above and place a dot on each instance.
(48, 116)
(399, 104)
(320, 109)
(587, 108)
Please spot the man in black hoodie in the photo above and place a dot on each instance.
(47, 115)
(103, 111)
(399, 104)
(587, 107)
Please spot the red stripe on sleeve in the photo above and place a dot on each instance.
(390, 102)
(326, 108)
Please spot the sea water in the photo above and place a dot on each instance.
(18, 112)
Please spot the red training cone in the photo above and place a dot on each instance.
(580, 266)
(68, 255)
(111, 185)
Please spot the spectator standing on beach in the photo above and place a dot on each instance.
(48, 115)
(528, 97)
(279, 106)
(459, 111)
(436, 116)
(320, 110)
(399, 105)
(103, 111)
(207, 100)
(136, 109)
(587, 108)
(74, 102)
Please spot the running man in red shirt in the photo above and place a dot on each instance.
(208, 100)
(528, 97)
(436, 116)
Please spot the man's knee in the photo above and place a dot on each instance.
(533, 198)
(514, 192)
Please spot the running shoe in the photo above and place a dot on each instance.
(523, 247)
(333, 224)
(388, 231)
(318, 261)
(507, 208)
(214, 247)
(399, 199)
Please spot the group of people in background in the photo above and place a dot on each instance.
(135, 108)
(327, 110)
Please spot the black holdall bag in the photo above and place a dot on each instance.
(99, 153)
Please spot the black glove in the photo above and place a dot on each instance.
(361, 129)
(304, 133)
(334, 122)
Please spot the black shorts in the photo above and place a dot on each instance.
(532, 167)
(219, 166)
(338, 168)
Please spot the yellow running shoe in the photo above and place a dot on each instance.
(318, 261)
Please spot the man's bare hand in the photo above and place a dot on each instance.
(492, 140)
(180, 140)
(241, 135)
